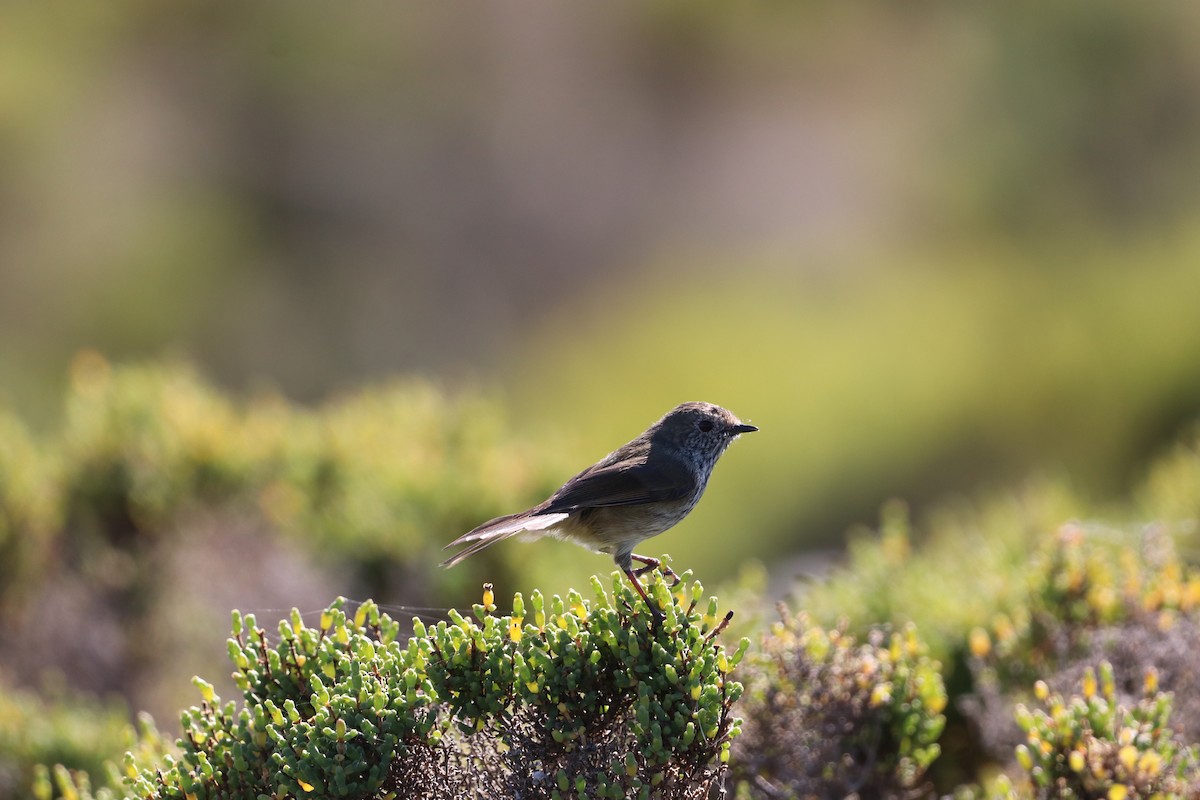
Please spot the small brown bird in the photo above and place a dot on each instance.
(633, 493)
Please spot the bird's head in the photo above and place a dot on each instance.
(702, 429)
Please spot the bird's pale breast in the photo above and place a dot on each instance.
(615, 529)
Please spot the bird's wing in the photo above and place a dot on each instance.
(625, 483)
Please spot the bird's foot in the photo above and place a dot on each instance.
(653, 564)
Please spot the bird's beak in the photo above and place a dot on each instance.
(740, 428)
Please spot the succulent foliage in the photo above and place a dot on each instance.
(561, 698)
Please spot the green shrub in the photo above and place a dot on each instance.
(560, 698)
(1093, 746)
(826, 716)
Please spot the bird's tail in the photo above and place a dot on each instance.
(500, 528)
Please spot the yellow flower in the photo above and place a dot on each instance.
(980, 643)
(1128, 756)
(1150, 763)
(1089, 684)
(1150, 681)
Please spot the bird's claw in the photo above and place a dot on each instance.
(652, 564)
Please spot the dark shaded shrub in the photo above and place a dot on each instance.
(827, 716)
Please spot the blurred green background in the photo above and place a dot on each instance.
(926, 248)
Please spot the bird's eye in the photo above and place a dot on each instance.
(705, 425)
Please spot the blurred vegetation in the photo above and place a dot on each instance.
(157, 486)
(58, 726)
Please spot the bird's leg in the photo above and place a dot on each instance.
(626, 566)
(653, 564)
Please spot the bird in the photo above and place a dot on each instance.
(635, 492)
